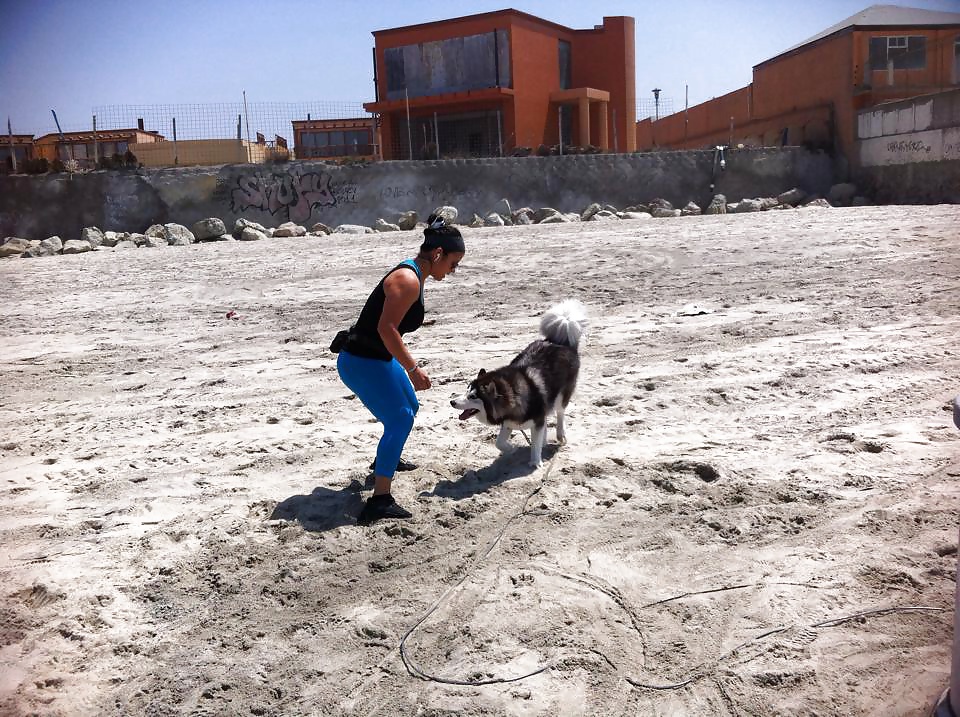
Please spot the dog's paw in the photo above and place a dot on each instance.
(535, 462)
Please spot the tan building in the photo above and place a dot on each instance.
(19, 146)
(333, 138)
(194, 152)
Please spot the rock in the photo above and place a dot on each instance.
(842, 194)
(151, 242)
(111, 238)
(780, 206)
(718, 205)
(352, 229)
(519, 214)
(523, 219)
(251, 234)
(555, 218)
(93, 236)
(542, 213)
(503, 209)
(664, 212)
(748, 205)
(76, 246)
(137, 239)
(634, 215)
(241, 224)
(407, 221)
(321, 228)
(448, 213)
(209, 229)
(53, 244)
(659, 202)
(732, 207)
(155, 230)
(493, 220)
(177, 235)
(818, 202)
(589, 212)
(792, 196)
(691, 209)
(383, 225)
(125, 244)
(571, 216)
(476, 222)
(768, 203)
(602, 216)
(290, 229)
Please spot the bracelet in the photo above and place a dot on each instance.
(411, 370)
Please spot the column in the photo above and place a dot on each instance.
(584, 104)
(602, 122)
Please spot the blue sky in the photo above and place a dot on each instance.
(74, 55)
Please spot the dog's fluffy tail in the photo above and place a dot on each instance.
(565, 323)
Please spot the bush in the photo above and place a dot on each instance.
(57, 166)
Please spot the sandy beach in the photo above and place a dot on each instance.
(755, 512)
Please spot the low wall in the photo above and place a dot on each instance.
(309, 192)
(909, 151)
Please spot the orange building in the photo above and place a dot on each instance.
(810, 93)
(333, 138)
(485, 84)
(80, 145)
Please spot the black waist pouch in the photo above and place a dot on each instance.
(339, 341)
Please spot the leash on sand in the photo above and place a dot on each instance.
(699, 672)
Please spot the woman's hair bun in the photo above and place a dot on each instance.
(436, 221)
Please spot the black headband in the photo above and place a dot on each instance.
(440, 234)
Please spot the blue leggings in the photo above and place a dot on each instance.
(386, 391)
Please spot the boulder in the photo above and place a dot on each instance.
(155, 230)
(93, 236)
(542, 213)
(352, 229)
(634, 215)
(76, 246)
(659, 202)
(209, 229)
(241, 224)
(793, 197)
(150, 242)
(749, 205)
(137, 239)
(659, 212)
(321, 228)
(818, 202)
(555, 218)
(524, 212)
(602, 216)
(503, 209)
(111, 238)
(52, 244)
(448, 213)
(493, 220)
(382, 225)
(475, 222)
(125, 244)
(589, 212)
(177, 235)
(573, 217)
(691, 209)
(718, 205)
(407, 221)
(290, 229)
(842, 194)
(251, 234)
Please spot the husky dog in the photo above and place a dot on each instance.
(538, 382)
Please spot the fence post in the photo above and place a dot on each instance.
(499, 133)
(616, 146)
(406, 98)
(13, 155)
(176, 157)
(96, 145)
(436, 134)
(560, 128)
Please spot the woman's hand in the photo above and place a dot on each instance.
(419, 379)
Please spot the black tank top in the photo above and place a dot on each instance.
(364, 339)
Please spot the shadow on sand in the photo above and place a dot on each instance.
(324, 509)
(506, 467)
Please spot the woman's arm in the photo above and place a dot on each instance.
(401, 289)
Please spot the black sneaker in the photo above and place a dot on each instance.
(381, 506)
(402, 466)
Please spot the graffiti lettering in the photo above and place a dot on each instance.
(294, 194)
(908, 146)
(430, 193)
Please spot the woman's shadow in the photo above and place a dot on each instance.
(323, 509)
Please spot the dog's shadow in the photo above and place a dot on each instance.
(323, 509)
(506, 466)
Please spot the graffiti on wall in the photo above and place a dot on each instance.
(292, 195)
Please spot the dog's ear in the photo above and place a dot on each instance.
(482, 372)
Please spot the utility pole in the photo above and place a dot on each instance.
(656, 103)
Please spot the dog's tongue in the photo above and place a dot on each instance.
(466, 414)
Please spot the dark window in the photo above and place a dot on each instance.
(907, 52)
(566, 71)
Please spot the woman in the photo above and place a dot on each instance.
(376, 364)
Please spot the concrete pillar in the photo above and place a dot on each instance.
(604, 137)
(584, 104)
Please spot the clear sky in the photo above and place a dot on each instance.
(74, 55)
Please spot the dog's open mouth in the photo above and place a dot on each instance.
(468, 413)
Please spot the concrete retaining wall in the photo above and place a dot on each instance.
(309, 192)
(909, 151)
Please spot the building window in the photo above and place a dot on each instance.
(335, 143)
(956, 61)
(566, 72)
(906, 52)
